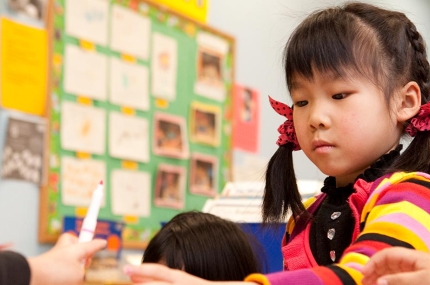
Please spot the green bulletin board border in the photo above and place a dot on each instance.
(137, 230)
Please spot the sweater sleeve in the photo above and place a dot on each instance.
(14, 269)
(394, 215)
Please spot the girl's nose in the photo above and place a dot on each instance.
(319, 118)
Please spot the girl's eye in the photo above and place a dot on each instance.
(301, 103)
(339, 96)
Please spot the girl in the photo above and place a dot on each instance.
(359, 79)
(204, 245)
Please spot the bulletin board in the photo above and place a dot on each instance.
(141, 98)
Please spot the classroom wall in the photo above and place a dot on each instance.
(261, 29)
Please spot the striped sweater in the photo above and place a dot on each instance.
(394, 210)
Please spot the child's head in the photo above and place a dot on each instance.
(357, 74)
(203, 245)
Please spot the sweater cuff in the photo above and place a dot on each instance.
(14, 268)
(257, 278)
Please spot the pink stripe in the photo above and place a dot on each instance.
(413, 225)
(354, 265)
(87, 230)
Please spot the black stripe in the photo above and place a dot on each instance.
(343, 275)
(419, 182)
(383, 238)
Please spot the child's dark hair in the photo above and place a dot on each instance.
(204, 245)
(382, 45)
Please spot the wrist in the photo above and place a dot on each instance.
(37, 273)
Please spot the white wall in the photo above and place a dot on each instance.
(261, 28)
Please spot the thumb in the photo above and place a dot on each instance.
(416, 277)
(87, 249)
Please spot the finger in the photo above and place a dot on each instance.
(88, 262)
(6, 245)
(416, 277)
(66, 239)
(87, 249)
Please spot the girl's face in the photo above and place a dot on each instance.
(342, 125)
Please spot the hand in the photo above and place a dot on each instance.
(65, 262)
(157, 274)
(399, 266)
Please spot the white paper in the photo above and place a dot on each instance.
(83, 128)
(88, 20)
(85, 73)
(164, 66)
(129, 84)
(129, 32)
(131, 193)
(128, 137)
(79, 178)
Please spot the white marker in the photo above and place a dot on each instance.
(90, 220)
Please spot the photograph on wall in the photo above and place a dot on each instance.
(246, 118)
(211, 53)
(31, 12)
(22, 156)
(170, 186)
(205, 123)
(203, 174)
(170, 136)
(164, 66)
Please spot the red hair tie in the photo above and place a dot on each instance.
(421, 121)
(287, 134)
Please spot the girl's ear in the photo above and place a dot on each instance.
(409, 101)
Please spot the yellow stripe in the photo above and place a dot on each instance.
(257, 278)
(292, 223)
(354, 257)
(355, 274)
(396, 178)
(404, 207)
(396, 231)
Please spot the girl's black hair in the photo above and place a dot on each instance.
(206, 246)
(357, 38)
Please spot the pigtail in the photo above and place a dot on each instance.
(281, 193)
(417, 156)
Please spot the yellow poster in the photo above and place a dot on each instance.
(194, 9)
(23, 67)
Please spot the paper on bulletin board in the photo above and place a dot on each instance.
(83, 128)
(246, 118)
(196, 10)
(85, 73)
(164, 66)
(131, 193)
(79, 178)
(23, 67)
(129, 32)
(129, 84)
(88, 19)
(128, 137)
